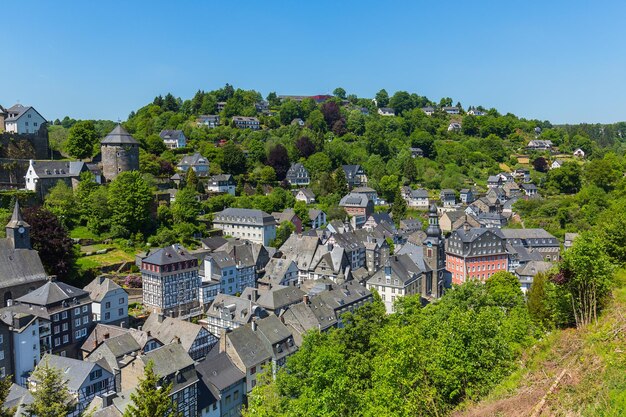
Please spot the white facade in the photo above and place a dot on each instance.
(262, 234)
(26, 353)
(29, 122)
(113, 308)
(31, 178)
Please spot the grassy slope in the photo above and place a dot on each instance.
(591, 363)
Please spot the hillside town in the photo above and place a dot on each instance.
(239, 297)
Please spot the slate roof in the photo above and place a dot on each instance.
(219, 371)
(213, 242)
(308, 193)
(314, 213)
(233, 308)
(119, 136)
(240, 215)
(419, 193)
(351, 170)
(100, 287)
(74, 371)
(248, 345)
(172, 329)
(354, 200)
(52, 292)
(18, 397)
(277, 297)
(169, 255)
(475, 232)
(284, 216)
(303, 317)
(301, 249)
(340, 295)
(526, 234)
(193, 160)
(532, 268)
(122, 345)
(19, 110)
(402, 271)
(103, 332)
(16, 219)
(170, 359)
(59, 169)
(171, 134)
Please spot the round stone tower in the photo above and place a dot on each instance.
(120, 153)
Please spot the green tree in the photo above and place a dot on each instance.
(399, 207)
(186, 207)
(410, 171)
(51, 398)
(302, 211)
(60, 201)
(151, 397)
(5, 386)
(566, 179)
(81, 138)
(382, 98)
(282, 234)
(130, 198)
(389, 187)
(339, 93)
(234, 160)
(155, 145)
(316, 121)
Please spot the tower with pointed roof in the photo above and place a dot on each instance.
(17, 230)
(434, 255)
(120, 153)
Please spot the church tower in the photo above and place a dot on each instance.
(434, 255)
(120, 153)
(17, 230)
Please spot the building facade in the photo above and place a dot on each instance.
(253, 225)
(23, 120)
(120, 153)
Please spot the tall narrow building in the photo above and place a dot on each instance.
(120, 153)
(434, 255)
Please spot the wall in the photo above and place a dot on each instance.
(26, 351)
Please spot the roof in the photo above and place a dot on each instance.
(173, 329)
(351, 170)
(233, 308)
(119, 136)
(74, 371)
(171, 134)
(354, 200)
(308, 193)
(218, 370)
(119, 346)
(16, 219)
(363, 190)
(169, 255)
(419, 193)
(100, 287)
(213, 242)
(19, 110)
(52, 292)
(241, 215)
(400, 269)
(475, 232)
(533, 268)
(277, 297)
(221, 178)
(194, 159)
(313, 213)
(248, 345)
(526, 234)
(168, 359)
(103, 332)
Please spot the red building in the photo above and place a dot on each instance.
(475, 253)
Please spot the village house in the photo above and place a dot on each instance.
(454, 127)
(416, 198)
(399, 277)
(386, 111)
(253, 225)
(535, 240)
(109, 301)
(221, 386)
(170, 282)
(104, 332)
(306, 195)
(530, 189)
(355, 176)
(41, 176)
(197, 162)
(288, 215)
(229, 312)
(557, 163)
(19, 344)
(539, 145)
(274, 300)
(451, 110)
(428, 110)
(317, 217)
(357, 205)
(416, 152)
(22, 119)
(243, 122)
(467, 196)
(579, 153)
(298, 175)
(447, 197)
(221, 183)
(173, 139)
(369, 192)
(211, 121)
(279, 271)
(196, 340)
(527, 272)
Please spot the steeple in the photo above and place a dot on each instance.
(17, 230)
(433, 230)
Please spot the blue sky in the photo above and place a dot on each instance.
(564, 61)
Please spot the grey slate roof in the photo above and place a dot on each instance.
(249, 347)
(213, 242)
(172, 329)
(277, 297)
(103, 332)
(240, 215)
(170, 359)
(192, 160)
(74, 371)
(59, 169)
(100, 287)
(532, 268)
(16, 219)
(219, 371)
(171, 134)
(19, 266)
(354, 200)
(402, 271)
(169, 255)
(52, 292)
(526, 234)
(119, 136)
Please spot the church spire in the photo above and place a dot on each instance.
(17, 230)
(16, 219)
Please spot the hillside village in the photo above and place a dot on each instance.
(240, 225)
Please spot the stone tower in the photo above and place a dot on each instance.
(120, 153)
(434, 254)
(17, 230)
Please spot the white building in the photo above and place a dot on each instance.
(109, 301)
(400, 277)
(253, 225)
(173, 139)
(222, 183)
(23, 119)
(25, 344)
(416, 198)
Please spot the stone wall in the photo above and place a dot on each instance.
(119, 158)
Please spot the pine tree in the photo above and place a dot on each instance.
(398, 208)
(149, 400)
(5, 386)
(51, 397)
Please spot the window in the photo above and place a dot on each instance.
(77, 322)
(56, 329)
(253, 370)
(1, 355)
(120, 312)
(107, 316)
(63, 315)
(66, 338)
(65, 326)
(107, 304)
(77, 334)
(83, 332)
(56, 317)
(85, 308)
(77, 311)
(95, 374)
(85, 319)
(236, 395)
(57, 341)
(122, 300)
(2, 372)
(228, 399)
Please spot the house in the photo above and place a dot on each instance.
(222, 386)
(289, 216)
(41, 176)
(277, 299)
(530, 189)
(475, 253)
(399, 277)
(253, 225)
(196, 340)
(22, 119)
(222, 183)
(21, 270)
(476, 112)
(569, 240)
(172, 365)
(357, 205)
(454, 127)
(221, 267)
(511, 190)
(523, 174)
(243, 122)
(303, 317)
(67, 309)
(535, 240)
(277, 339)
(557, 163)
(453, 219)
(229, 312)
(467, 196)
(109, 301)
(298, 175)
(527, 272)
(209, 120)
(415, 198)
(369, 192)
(386, 111)
(221, 105)
(539, 145)
(451, 110)
(170, 282)
(494, 181)
(196, 162)
(279, 271)
(297, 122)
(409, 226)
(115, 352)
(103, 332)
(318, 218)
(19, 344)
(305, 195)
(355, 175)
(579, 153)
(173, 139)
(262, 106)
(447, 197)
(428, 110)
(250, 258)
(84, 380)
(340, 298)
(416, 152)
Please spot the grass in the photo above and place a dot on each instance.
(112, 257)
(82, 232)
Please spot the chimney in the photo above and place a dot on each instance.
(305, 299)
(160, 317)
(101, 279)
(9, 302)
(222, 340)
(253, 324)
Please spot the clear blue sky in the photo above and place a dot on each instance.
(564, 61)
